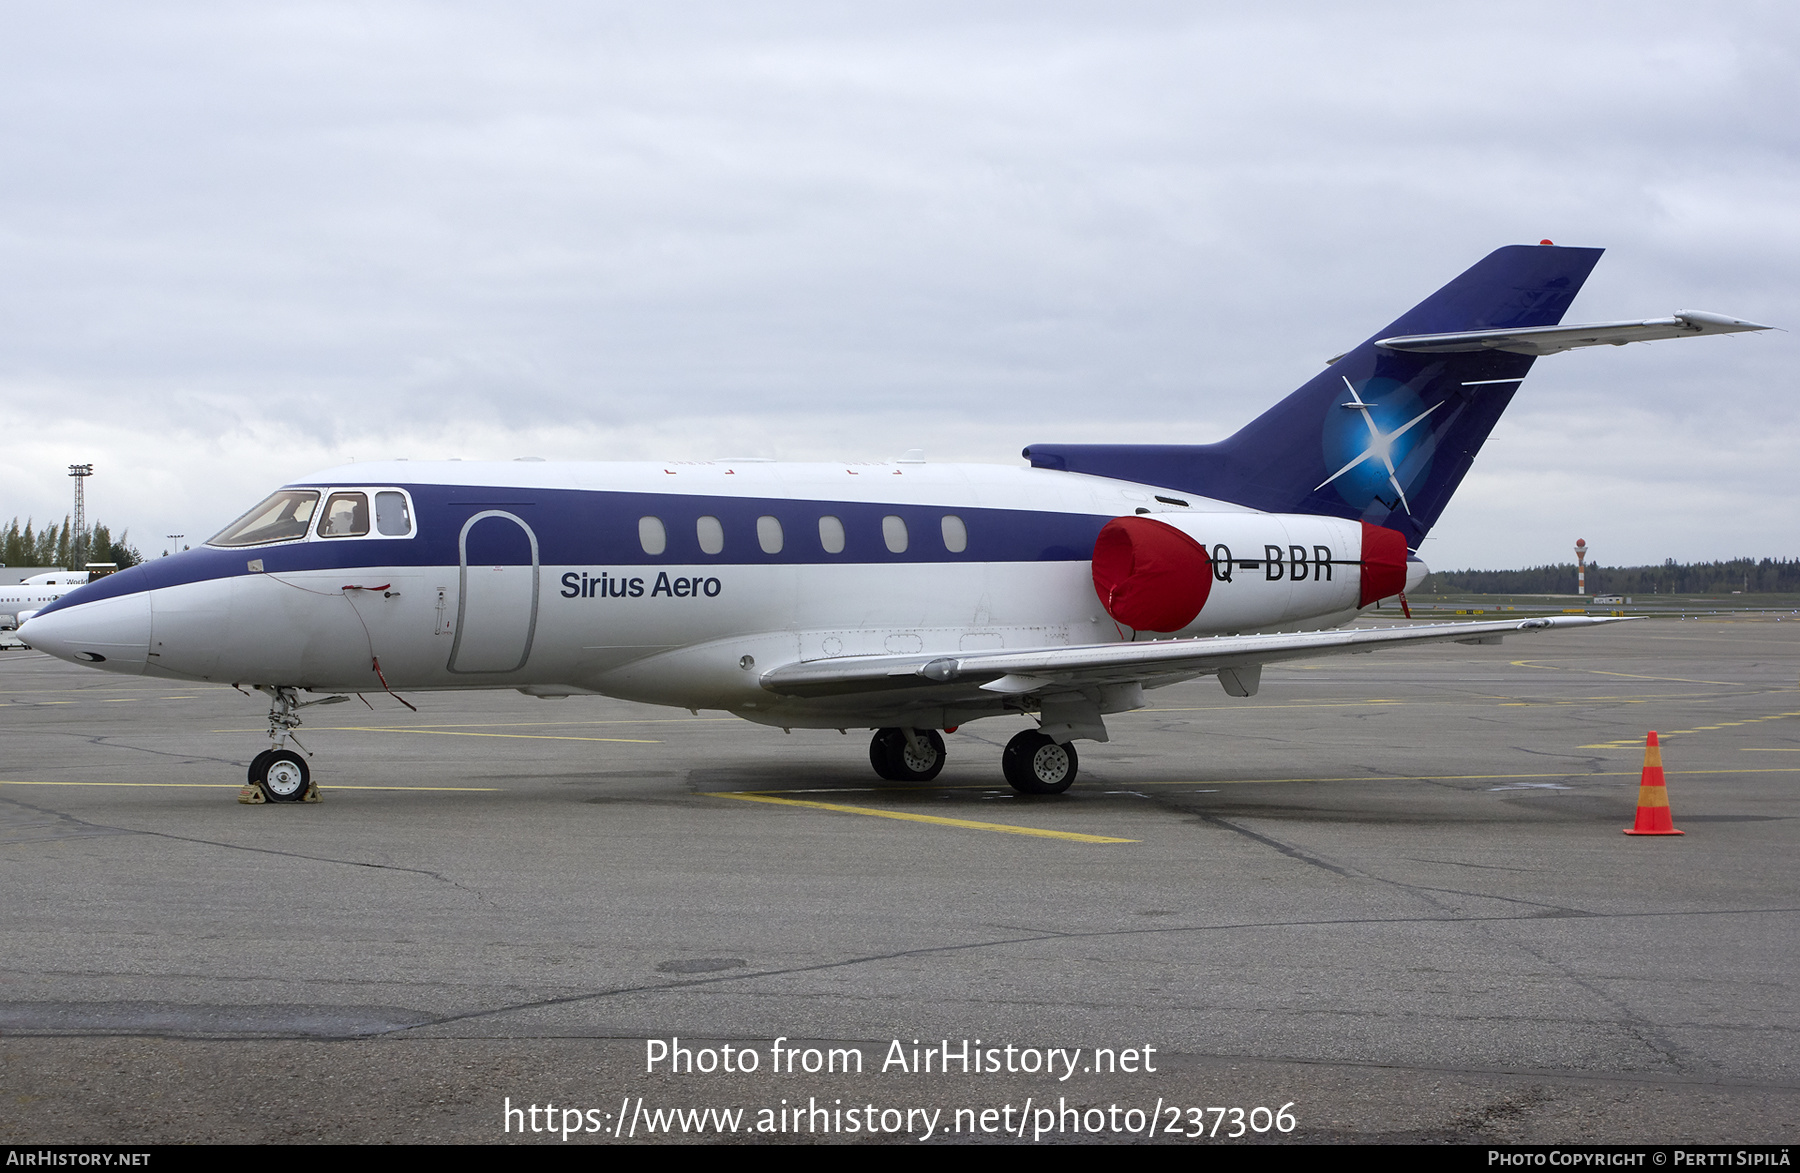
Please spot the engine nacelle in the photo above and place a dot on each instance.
(1188, 573)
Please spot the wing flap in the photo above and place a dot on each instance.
(1043, 669)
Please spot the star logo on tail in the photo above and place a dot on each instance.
(1381, 444)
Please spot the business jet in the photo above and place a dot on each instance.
(907, 598)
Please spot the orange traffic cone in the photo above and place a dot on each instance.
(1653, 797)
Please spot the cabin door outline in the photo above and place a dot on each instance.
(490, 650)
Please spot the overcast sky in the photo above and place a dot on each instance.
(242, 242)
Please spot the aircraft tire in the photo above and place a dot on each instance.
(285, 777)
(881, 753)
(897, 761)
(1035, 764)
(259, 766)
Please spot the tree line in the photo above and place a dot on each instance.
(64, 546)
(1752, 576)
(61, 545)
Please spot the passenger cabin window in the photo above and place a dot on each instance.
(392, 518)
(893, 532)
(652, 536)
(711, 534)
(768, 534)
(283, 517)
(956, 535)
(346, 516)
(831, 535)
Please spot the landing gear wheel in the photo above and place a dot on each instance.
(881, 754)
(284, 777)
(259, 766)
(1034, 764)
(898, 760)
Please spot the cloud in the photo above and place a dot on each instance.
(238, 243)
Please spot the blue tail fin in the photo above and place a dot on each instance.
(1382, 436)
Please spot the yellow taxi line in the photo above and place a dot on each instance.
(936, 820)
(1460, 777)
(1139, 782)
(501, 725)
(462, 733)
(239, 785)
(1626, 675)
(1629, 743)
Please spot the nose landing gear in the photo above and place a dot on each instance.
(278, 774)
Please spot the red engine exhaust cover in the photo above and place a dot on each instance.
(1153, 577)
(1383, 563)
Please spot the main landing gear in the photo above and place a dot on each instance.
(1033, 763)
(907, 755)
(278, 774)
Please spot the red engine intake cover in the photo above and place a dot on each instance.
(1151, 576)
(1383, 563)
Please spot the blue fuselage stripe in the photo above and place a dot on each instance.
(599, 529)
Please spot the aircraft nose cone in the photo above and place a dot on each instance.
(113, 634)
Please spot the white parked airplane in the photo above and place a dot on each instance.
(58, 578)
(20, 601)
(907, 598)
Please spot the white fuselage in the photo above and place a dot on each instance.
(548, 578)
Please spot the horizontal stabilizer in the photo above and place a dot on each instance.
(1542, 340)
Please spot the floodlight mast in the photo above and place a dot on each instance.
(80, 472)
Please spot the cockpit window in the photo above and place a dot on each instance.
(281, 518)
(346, 516)
(392, 520)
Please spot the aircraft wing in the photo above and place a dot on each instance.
(1060, 668)
(1539, 340)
